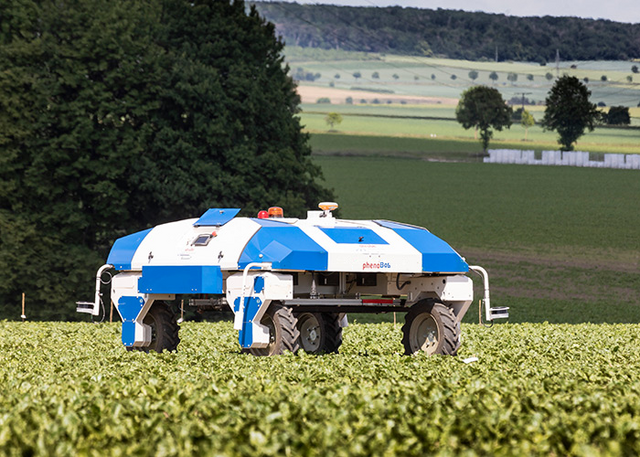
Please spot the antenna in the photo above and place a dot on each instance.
(523, 94)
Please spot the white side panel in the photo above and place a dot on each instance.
(124, 285)
(173, 244)
(457, 288)
(396, 256)
(274, 287)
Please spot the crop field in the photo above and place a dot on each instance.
(562, 247)
(411, 75)
(536, 389)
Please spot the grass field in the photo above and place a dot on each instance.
(599, 141)
(561, 244)
(536, 389)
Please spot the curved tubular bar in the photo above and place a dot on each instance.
(239, 317)
(98, 296)
(485, 279)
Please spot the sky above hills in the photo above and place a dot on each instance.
(615, 10)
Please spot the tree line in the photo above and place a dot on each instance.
(452, 34)
(118, 116)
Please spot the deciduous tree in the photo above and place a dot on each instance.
(618, 115)
(333, 119)
(484, 109)
(116, 116)
(526, 120)
(568, 111)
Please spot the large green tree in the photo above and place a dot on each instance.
(484, 109)
(119, 115)
(568, 111)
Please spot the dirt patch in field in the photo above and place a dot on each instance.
(311, 94)
(630, 264)
(547, 277)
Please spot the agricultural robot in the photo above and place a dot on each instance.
(289, 282)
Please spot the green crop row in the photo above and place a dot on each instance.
(536, 389)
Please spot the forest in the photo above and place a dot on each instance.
(452, 34)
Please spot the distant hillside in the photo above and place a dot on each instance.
(452, 34)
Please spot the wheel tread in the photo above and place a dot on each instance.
(451, 327)
(333, 339)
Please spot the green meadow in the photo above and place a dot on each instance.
(561, 244)
(601, 140)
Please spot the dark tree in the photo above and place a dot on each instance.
(618, 115)
(483, 107)
(116, 116)
(493, 76)
(473, 75)
(568, 111)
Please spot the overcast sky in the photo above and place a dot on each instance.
(615, 10)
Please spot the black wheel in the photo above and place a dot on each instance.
(164, 329)
(430, 327)
(319, 332)
(283, 333)
(333, 331)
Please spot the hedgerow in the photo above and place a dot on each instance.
(539, 389)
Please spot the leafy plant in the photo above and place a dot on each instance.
(541, 389)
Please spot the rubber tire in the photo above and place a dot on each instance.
(442, 321)
(283, 331)
(164, 329)
(320, 333)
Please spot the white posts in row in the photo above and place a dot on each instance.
(567, 158)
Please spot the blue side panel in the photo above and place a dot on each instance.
(252, 305)
(437, 255)
(124, 249)
(180, 279)
(129, 308)
(258, 285)
(287, 247)
(217, 216)
(353, 235)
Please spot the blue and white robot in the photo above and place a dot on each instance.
(290, 282)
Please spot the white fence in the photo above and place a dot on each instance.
(568, 158)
